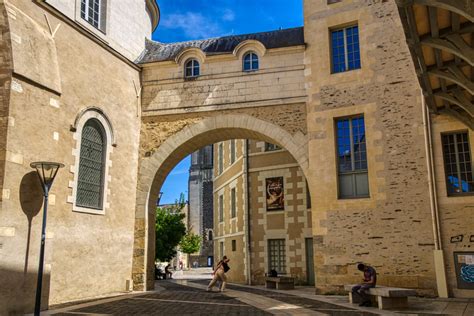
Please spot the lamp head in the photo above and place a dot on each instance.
(46, 171)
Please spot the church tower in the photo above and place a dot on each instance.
(201, 203)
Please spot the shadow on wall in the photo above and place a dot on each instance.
(19, 275)
(31, 200)
(17, 291)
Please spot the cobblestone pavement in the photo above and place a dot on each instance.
(306, 303)
(187, 296)
(174, 300)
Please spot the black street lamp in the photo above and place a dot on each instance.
(159, 198)
(46, 172)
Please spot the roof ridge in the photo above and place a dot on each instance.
(223, 37)
(157, 51)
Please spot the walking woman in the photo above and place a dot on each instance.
(219, 274)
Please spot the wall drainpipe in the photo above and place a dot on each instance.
(440, 268)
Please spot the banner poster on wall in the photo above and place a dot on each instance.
(464, 262)
(275, 198)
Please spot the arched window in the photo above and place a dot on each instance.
(191, 69)
(250, 61)
(209, 235)
(90, 181)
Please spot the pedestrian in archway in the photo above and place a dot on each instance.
(219, 274)
(168, 272)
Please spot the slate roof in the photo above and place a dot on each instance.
(156, 51)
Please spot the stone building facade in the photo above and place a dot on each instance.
(261, 217)
(391, 185)
(200, 204)
(62, 76)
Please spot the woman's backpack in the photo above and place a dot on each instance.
(226, 267)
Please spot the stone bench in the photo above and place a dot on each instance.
(280, 283)
(386, 297)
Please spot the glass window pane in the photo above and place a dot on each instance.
(346, 186)
(362, 184)
(457, 160)
(247, 65)
(91, 166)
(255, 64)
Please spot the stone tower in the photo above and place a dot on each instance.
(201, 203)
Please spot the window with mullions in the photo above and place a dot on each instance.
(91, 166)
(220, 159)
(352, 158)
(233, 206)
(345, 49)
(191, 68)
(457, 163)
(93, 11)
(232, 151)
(276, 255)
(250, 62)
(221, 208)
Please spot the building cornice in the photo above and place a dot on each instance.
(154, 10)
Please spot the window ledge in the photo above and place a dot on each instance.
(86, 210)
(191, 78)
(276, 211)
(354, 198)
(460, 195)
(347, 71)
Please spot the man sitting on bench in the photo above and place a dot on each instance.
(369, 281)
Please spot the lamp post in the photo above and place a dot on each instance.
(46, 172)
(159, 198)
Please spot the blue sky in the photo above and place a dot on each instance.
(176, 182)
(184, 20)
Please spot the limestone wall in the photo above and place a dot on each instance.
(5, 80)
(231, 229)
(223, 85)
(391, 230)
(87, 255)
(293, 224)
(127, 24)
(455, 211)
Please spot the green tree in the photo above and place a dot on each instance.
(190, 243)
(170, 229)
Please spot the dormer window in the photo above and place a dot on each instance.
(191, 69)
(250, 62)
(93, 11)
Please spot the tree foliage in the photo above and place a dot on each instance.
(190, 243)
(170, 229)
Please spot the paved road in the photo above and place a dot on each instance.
(189, 297)
(176, 299)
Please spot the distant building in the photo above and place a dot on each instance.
(262, 212)
(200, 219)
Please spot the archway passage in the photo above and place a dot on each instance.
(167, 150)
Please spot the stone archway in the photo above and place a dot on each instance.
(156, 165)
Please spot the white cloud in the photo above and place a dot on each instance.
(194, 25)
(179, 172)
(228, 15)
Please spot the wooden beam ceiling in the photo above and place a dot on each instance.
(444, 56)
